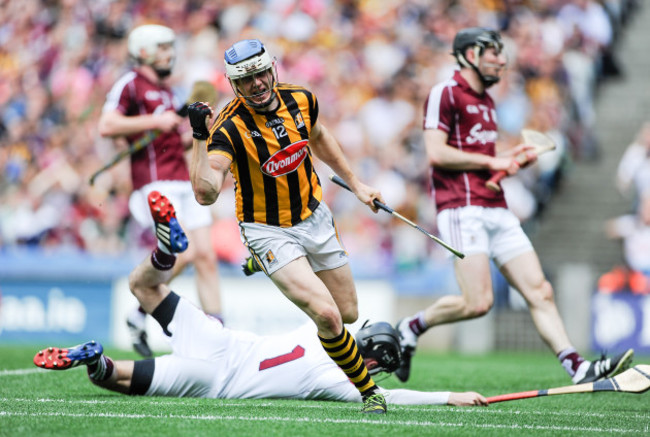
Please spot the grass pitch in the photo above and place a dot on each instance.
(40, 402)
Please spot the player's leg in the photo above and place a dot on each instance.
(466, 228)
(147, 281)
(102, 370)
(524, 272)
(300, 284)
(476, 299)
(202, 255)
(165, 227)
(340, 283)
(136, 323)
(197, 221)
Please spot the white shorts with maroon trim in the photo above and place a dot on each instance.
(476, 229)
(315, 237)
(190, 213)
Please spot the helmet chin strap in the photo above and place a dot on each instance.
(163, 72)
(260, 105)
(249, 100)
(486, 80)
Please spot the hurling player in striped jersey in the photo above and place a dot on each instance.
(267, 137)
(460, 132)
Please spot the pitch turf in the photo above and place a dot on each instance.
(39, 402)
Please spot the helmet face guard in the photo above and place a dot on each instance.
(251, 72)
(379, 345)
(144, 45)
(480, 39)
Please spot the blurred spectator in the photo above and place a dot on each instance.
(633, 174)
(371, 63)
(634, 230)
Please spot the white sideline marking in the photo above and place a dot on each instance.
(312, 420)
(225, 403)
(19, 372)
(307, 405)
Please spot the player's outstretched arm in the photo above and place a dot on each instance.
(414, 397)
(467, 399)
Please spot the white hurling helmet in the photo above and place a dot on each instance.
(144, 41)
(247, 58)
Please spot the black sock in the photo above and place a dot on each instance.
(164, 312)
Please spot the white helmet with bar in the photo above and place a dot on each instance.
(247, 58)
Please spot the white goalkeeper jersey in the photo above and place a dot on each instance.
(211, 361)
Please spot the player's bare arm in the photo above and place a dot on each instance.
(207, 173)
(328, 150)
(440, 154)
(115, 124)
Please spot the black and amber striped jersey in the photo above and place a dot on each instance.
(275, 181)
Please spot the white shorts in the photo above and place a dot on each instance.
(190, 213)
(476, 229)
(316, 238)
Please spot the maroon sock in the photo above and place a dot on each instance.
(570, 360)
(102, 369)
(417, 324)
(162, 260)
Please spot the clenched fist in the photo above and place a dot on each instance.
(199, 112)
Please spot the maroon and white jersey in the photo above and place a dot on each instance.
(470, 121)
(163, 160)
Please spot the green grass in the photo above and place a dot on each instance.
(44, 403)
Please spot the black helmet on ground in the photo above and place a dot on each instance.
(379, 345)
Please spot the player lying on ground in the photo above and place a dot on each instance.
(211, 361)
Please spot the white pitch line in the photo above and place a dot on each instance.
(19, 372)
(408, 423)
(308, 405)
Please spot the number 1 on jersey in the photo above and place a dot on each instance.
(297, 352)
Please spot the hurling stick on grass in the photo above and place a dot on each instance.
(337, 180)
(202, 91)
(542, 142)
(634, 380)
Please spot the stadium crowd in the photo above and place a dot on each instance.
(633, 228)
(371, 63)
